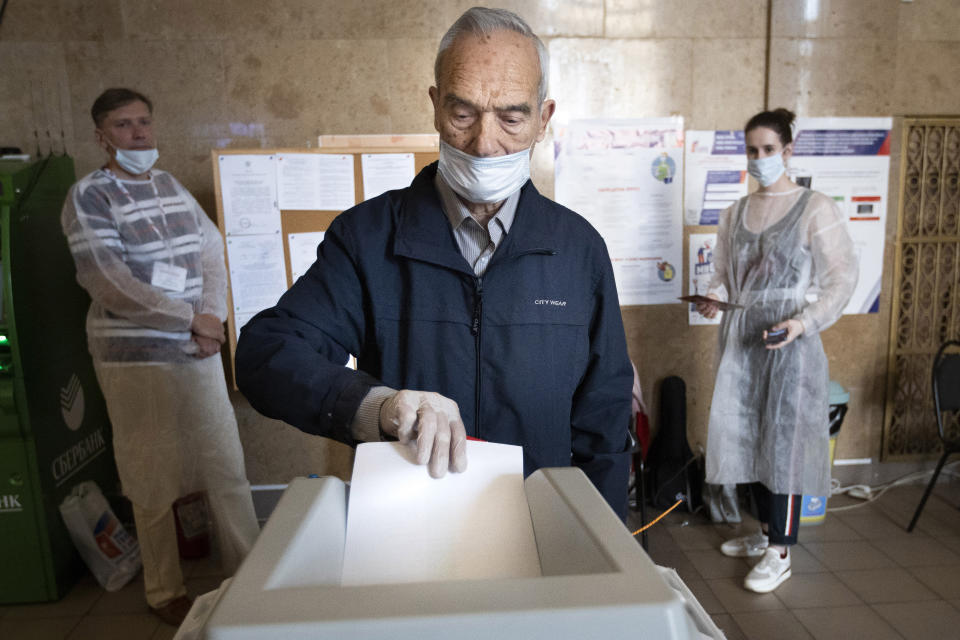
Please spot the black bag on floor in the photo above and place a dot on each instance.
(673, 468)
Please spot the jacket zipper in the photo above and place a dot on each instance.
(475, 330)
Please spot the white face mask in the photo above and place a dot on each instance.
(766, 170)
(483, 180)
(137, 161)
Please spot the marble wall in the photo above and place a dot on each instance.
(269, 73)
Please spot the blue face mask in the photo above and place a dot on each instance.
(766, 170)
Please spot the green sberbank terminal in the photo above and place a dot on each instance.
(54, 430)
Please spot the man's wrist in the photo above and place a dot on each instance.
(365, 426)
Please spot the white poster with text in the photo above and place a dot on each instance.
(625, 177)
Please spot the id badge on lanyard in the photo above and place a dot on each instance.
(169, 276)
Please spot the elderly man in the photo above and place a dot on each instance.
(491, 309)
(152, 262)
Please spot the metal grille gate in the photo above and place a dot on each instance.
(926, 301)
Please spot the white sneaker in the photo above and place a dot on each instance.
(769, 573)
(746, 547)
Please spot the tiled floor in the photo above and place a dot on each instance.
(857, 575)
(88, 612)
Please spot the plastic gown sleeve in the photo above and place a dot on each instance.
(97, 250)
(290, 357)
(214, 297)
(834, 263)
(718, 283)
(600, 416)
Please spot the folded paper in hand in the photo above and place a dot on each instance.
(723, 306)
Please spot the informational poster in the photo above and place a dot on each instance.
(303, 251)
(248, 186)
(315, 181)
(385, 172)
(848, 159)
(700, 271)
(625, 177)
(715, 174)
(257, 274)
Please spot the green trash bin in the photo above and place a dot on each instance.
(813, 509)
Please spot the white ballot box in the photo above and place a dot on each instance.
(595, 580)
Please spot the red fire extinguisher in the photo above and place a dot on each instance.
(193, 525)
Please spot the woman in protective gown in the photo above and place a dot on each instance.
(768, 418)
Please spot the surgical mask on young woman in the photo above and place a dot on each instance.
(137, 161)
(483, 180)
(766, 170)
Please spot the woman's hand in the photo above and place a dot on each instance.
(708, 309)
(794, 330)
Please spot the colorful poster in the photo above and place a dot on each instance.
(625, 177)
(715, 174)
(848, 159)
(700, 272)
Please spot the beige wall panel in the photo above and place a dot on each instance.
(410, 72)
(591, 78)
(835, 19)
(832, 77)
(685, 19)
(33, 96)
(927, 78)
(930, 20)
(87, 19)
(727, 82)
(146, 20)
(275, 452)
(37, 21)
(297, 90)
(183, 79)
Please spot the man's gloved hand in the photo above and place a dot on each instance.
(434, 421)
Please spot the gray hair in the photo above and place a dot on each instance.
(480, 21)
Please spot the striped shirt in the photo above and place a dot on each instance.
(477, 243)
(118, 232)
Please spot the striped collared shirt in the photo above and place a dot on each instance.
(476, 243)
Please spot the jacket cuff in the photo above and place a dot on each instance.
(365, 426)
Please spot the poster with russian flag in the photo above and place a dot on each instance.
(848, 159)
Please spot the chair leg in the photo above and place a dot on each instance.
(926, 494)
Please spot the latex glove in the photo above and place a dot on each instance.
(708, 310)
(208, 326)
(434, 420)
(794, 330)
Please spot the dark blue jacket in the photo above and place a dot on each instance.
(533, 352)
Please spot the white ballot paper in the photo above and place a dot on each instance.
(386, 171)
(404, 526)
(303, 251)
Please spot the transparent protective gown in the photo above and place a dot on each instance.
(121, 232)
(768, 419)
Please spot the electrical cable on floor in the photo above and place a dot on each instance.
(871, 494)
(657, 519)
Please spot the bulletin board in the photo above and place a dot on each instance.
(291, 220)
